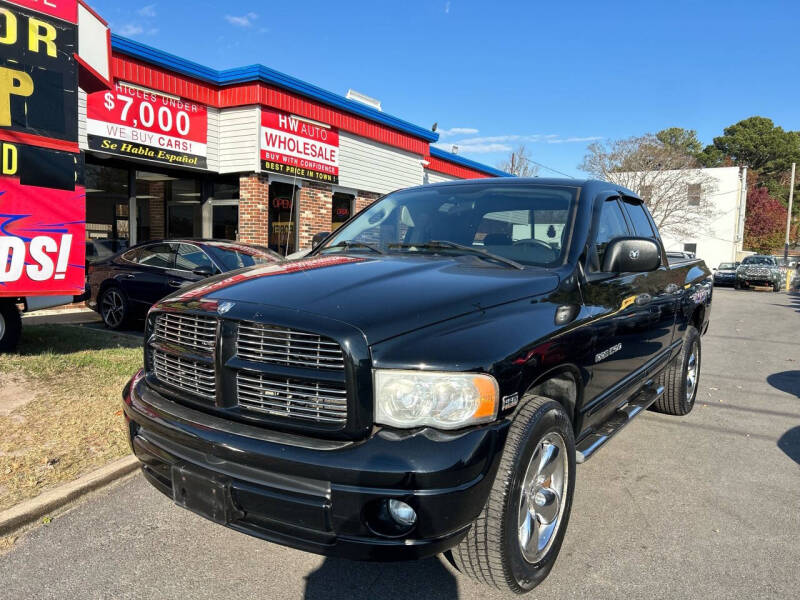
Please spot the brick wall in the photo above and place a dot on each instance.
(364, 199)
(254, 209)
(315, 206)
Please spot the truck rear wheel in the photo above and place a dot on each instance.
(514, 542)
(680, 379)
(10, 326)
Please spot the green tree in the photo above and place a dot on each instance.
(681, 140)
(758, 143)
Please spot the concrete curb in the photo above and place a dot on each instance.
(34, 509)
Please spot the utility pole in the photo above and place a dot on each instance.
(789, 217)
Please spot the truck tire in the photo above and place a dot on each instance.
(113, 306)
(776, 287)
(514, 542)
(681, 378)
(10, 326)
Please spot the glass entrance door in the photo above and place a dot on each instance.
(283, 217)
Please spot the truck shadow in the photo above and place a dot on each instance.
(786, 381)
(789, 443)
(341, 578)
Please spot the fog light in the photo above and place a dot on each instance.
(402, 513)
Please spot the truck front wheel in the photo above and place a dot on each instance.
(10, 326)
(514, 542)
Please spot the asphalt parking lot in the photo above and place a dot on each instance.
(706, 506)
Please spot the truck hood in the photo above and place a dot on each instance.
(382, 296)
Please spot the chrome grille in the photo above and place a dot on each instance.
(188, 375)
(272, 344)
(318, 401)
(191, 331)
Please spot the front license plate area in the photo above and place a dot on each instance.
(207, 495)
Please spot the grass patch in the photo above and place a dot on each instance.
(70, 379)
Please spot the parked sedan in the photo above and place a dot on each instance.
(126, 285)
(725, 274)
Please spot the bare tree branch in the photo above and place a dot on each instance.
(661, 175)
(519, 163)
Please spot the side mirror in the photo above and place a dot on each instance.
(204, 271)
(319, 238)
(632, 255)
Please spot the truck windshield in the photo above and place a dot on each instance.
(528, 224)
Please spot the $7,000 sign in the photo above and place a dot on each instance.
(134, 122)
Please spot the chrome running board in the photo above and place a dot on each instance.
(621, 417)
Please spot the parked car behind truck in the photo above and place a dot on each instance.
(427, 379)
(759, 270)
(124, 286)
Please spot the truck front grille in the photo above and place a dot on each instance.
(191, 331)
(187, 375)
(279, 345)
(307, 400)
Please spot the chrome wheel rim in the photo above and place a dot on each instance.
(542, 498)
(2, 326)
(112, 308)
(691, 373)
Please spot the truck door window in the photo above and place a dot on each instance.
(611, 225)
(638, 218)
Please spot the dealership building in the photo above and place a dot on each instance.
(176, 149)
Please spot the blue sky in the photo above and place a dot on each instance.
(555, 75)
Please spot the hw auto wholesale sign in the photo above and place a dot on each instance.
(298, 147)
(135, 122)
(42, 209)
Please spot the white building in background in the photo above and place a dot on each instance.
(725, 189)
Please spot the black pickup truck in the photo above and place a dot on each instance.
(425, 380)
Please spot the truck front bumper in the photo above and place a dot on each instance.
(322, 496)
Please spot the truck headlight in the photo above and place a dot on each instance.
(437, 399)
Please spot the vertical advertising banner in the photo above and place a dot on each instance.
(42, 207)
(134, 122)
(299, 147)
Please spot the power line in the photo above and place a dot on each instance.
(538, 164)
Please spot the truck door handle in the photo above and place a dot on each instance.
(130, 276)
(175, 283)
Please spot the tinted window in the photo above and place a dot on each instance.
(525, 223)
(157, 255)
(132, 255)
(638, 217)
(611, 225)
(236, 256)
(190, 257)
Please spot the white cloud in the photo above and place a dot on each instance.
(456, 131)
(148, 11)
(130, 29)
(474, 148)
(572, 140)
(242, 21)
(447, 8)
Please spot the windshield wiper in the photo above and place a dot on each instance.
(448, 245)
(348, 244)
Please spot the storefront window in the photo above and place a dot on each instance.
(341, 209)
(151, 189)
(107, 217)
(282, 217)
(184, 208)
(225, 208)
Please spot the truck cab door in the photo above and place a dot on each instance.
(625, 315)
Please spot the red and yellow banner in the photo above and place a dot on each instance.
(131, 121)
(299, 147)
